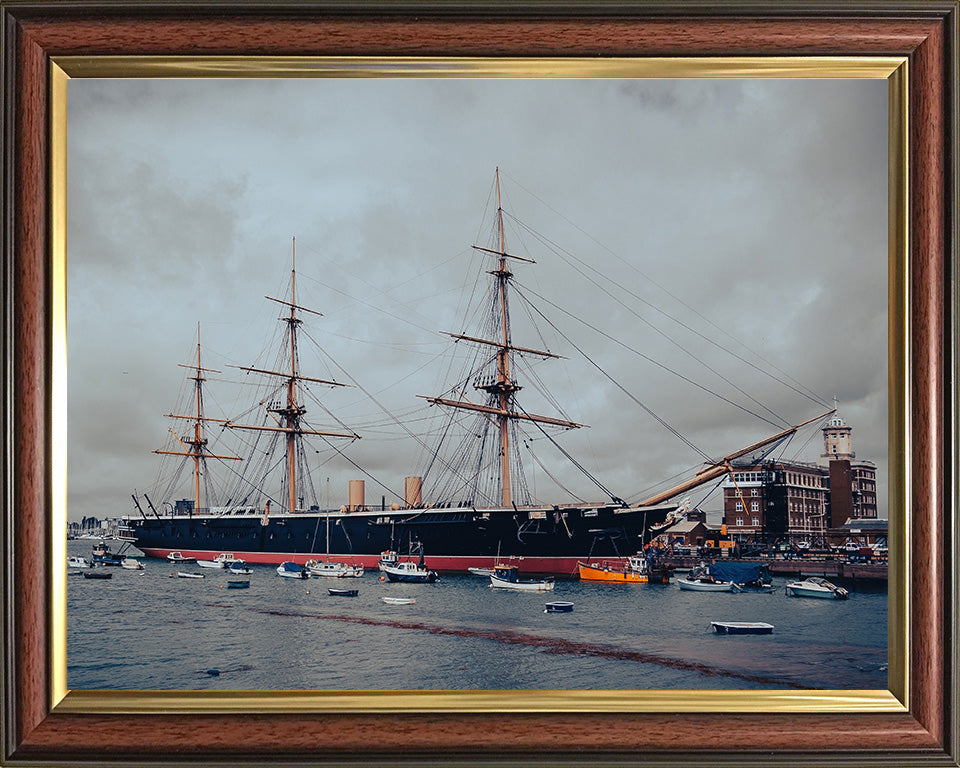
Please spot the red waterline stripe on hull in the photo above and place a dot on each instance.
(557, 566)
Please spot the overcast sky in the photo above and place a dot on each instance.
(687, 220)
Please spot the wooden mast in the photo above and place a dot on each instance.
(506, 389)
(196, 447)
(502, 388)
(290, 413)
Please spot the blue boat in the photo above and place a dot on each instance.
(238, 584)
(558, 606)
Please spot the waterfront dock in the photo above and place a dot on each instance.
(801, 567)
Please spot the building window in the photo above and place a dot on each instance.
(755, 507)
(740, 521)
(756, 521)
(754, 492)
(739, 508)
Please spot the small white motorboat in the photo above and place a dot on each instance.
(290, 570)
(223, 560)
(508, 577)
(484, 572)
(239, 567)
(179, 557)
(185, 575)
(78, 562)
(816, 587)
(398, 600)
(131, 564)
(695, 585)
(741, 627)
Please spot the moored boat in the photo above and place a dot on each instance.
(635, 569)
(102, 555)
(239, 568)
(186, 575)
(398, 600)
(223, 560)
(484, 572)
(409, 572)
(817, 588)
(238, 584)
(558, 606)
(97, 574)
(741, 627)
(179, 557)
(334, 569)
(78, 562)
(290, 570)
(131, 564)
(699, 585)
(508, 577)
(334, 592)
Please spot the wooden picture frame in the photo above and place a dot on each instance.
(38, 728)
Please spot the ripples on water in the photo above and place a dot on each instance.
(144, 630)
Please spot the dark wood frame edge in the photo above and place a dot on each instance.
(925, 32)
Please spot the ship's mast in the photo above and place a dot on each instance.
(196, 448)
(292, 413)
(503, 388)
(289, 415)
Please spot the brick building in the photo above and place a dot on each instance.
(795, 501)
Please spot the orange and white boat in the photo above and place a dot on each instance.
(633, 571)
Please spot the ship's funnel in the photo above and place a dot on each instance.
(413, 491)
(355, 495)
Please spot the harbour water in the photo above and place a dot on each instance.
(146, 630)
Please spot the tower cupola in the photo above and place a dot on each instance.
(838, 440)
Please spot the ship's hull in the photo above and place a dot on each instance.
(547, 540)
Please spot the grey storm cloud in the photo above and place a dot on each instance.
(695, 226)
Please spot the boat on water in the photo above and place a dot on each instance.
(398, 600)
(179, 557)
(558, 606)
(185, 575)
(817, 588)
(335, 569)
(508, 577)
(102, 555)
(97, 574)
(741, 627)
(755, 576)
(484, 572)
(223, 560)
(290, 570)
(409, 572)
(704, 585)
(636, 569)
(131, 564)
(334, 592)
(238, 584)
(478, 506)
(239, 568)
(78, 562)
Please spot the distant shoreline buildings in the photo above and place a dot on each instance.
(769, 501)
